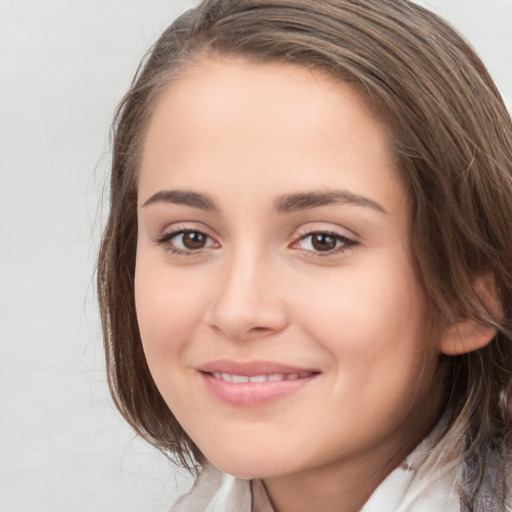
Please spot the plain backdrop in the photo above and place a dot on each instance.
(64, 65)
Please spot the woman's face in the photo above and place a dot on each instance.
(280, 313)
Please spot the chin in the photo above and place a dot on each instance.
(262, 465)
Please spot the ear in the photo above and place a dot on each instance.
(466, 335)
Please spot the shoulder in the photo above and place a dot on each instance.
(494, 494)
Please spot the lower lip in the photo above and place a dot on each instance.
(252, 394)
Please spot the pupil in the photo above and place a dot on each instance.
(324, 242)
(194, 240)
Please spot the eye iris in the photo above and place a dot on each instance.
(323, 242)
(194, 240)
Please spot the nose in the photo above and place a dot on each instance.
(248, 301)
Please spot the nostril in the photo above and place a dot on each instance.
(252, 315)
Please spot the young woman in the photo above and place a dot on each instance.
(306, 276)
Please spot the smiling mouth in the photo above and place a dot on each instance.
(274, 377)
(254, 384)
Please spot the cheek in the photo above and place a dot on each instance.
(169, 309)
(368, 315)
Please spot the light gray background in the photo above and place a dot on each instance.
(64, 64)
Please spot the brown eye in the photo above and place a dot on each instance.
(323, 241)
(186, 242)
(193, 240)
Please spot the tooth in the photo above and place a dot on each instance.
(275, 377)
(239, 378)
(258, 378)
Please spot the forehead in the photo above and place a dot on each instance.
(286, 125)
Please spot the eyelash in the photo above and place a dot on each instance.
(346, 243)
(165, 239)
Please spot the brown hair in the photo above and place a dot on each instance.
(453, 140)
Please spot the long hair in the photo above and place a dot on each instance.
(453, 141)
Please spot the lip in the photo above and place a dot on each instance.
(252, 394)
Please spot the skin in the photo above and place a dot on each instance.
(246, 135)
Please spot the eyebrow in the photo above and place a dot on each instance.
(287, 203)
(306, 200)
(184, 197)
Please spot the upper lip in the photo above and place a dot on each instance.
(252, 368)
